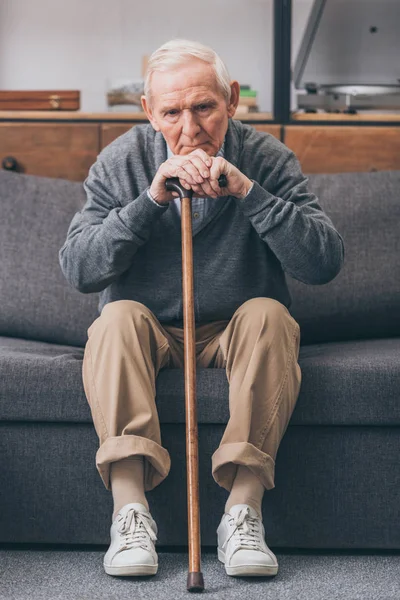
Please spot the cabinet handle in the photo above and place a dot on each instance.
(55, 101)
(9, 163)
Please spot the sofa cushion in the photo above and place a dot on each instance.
(36, 300)
(333, 375)
(363, 300)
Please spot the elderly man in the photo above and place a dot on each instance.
(125, 243)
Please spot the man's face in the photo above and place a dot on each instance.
(189, 109)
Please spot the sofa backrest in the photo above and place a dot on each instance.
(363, 301)
(36, 300)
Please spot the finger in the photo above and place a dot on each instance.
(204, 156)
(208, 189)
(199, 192)
(184, 183)
(173, 168)
(217, 168)
(189, 171)
(213, 183)
(199, 163)
(195, 187)
(200, 159)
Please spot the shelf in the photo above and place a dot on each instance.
(323, 116)
(52, 115)
(261, 117)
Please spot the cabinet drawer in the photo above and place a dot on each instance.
(110, 131)
(330, 149)
(274, 130)
(60, 150)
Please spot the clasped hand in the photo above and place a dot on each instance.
(206, 186)
(199, 172)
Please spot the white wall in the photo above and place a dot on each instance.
(49, 44)
(83, 44)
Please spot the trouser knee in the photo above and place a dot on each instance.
(120, 311)
(263, 310)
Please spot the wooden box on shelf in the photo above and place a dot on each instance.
(40, 100)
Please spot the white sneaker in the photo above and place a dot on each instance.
(241, 543)
(132, 550)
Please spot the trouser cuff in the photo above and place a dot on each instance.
(227, 456)
(156, 467)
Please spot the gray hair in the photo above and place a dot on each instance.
(178, 52)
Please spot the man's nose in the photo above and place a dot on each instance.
(190, 125)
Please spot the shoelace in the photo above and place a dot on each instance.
(134, 528)
(246, 531)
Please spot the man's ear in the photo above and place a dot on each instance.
(149, 113)
(234, 101)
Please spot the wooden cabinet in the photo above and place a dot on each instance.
(61, 150)
(110, 131)
(275, 130)
(338, 149)
(66, 144)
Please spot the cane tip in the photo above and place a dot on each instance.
(195, 582)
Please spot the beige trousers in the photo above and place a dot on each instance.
(127, 347)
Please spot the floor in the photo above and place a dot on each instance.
(76, 573)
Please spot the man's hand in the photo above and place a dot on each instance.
(238, 183)
(191, 169)
(199, 172)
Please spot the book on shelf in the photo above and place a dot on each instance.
(248, 100)
(243, 109)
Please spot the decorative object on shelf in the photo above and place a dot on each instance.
(124, 92)
(247, 100)
(40, 100)
(348, 60)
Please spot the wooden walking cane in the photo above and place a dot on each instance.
(195, 582)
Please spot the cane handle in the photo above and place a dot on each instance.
(173, 185)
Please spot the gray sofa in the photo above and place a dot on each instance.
(337, 471)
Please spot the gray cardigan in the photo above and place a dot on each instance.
(124, 246)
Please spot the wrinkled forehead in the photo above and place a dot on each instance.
(195, 78)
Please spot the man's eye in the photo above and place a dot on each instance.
(201, 107)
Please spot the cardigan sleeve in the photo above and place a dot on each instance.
(104, 236)
(289, 218)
